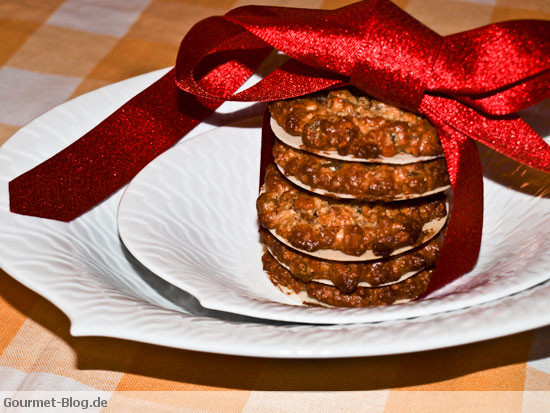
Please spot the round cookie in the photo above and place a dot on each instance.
(347, 276)
(314, 293)
(344, 230)
(343, 126)
(363, 181)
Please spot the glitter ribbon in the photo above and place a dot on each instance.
(469, 85)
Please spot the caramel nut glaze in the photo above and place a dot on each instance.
(311, 223)
(325, 295)
(350, 124)
(363, 181)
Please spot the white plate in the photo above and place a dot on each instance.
(83, 269)
(190, 217)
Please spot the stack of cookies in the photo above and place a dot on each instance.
(353, 210)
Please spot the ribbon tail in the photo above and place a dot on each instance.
(460, 249)
(107, 157)
(508, 135)
(511, 99)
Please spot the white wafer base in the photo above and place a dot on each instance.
(297, 143)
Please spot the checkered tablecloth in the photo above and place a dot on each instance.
(53, 50)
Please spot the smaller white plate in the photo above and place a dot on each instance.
(190, 217)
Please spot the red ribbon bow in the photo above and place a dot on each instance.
(469, 85)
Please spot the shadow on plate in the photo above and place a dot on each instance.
(172, 369)
(184, 301)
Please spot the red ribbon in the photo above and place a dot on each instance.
(469, 85)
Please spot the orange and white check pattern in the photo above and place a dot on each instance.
(53, 50)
